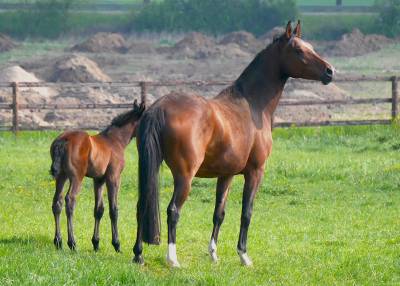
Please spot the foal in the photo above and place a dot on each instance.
(76, 154)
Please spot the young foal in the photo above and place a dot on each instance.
(221, 137)
(76, 154)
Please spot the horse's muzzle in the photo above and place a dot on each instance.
(328, 76)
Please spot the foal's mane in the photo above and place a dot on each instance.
(122, 119)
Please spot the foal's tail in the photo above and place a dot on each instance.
(150, 159)
(57, 152)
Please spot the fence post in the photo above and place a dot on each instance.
(15, 99)
(143, 92)
(395, 97)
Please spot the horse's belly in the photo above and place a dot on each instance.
(226, 164)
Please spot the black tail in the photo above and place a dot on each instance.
(57, 153)
(150, 159)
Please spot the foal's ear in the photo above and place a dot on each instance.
(297, 30)
(288, 32)
(135, 105)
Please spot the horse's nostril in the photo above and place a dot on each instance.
(329, 71)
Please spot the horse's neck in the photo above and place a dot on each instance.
(121, 135)
(262, 84)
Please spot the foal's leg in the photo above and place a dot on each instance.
(252, 182)
(181, 192)
(112, 191)
(57, 207)
(70, 201)
(98, 211)
(219, 213)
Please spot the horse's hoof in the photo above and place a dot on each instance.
(173, 263)
(138, 259)
(214, 257)
(72, 245)
(58, 242)
(116, 246)
(95, 243)
(245, 259)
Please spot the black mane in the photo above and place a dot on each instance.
(124, 118)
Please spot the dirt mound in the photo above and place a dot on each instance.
(243, 39)
(78, 69)
(194, 41)
(17, 74)
(198, 46)
(269, 36)
(6, 43)
(102, 43)
(356, 44)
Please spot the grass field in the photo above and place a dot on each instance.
(327, 214)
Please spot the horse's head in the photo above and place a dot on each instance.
(298, 58)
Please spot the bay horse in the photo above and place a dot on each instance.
(227, 135)
(76, 154)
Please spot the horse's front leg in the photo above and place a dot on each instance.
(113, 183)
(219, 213)
(252, 181)
(98, 211)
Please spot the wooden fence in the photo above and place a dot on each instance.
(16, 106)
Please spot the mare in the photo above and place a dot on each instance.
(76, 154)
(221, 137)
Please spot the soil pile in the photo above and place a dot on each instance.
(356, 44)
(103, 43)
(271, 34)
(78, 69)
(6, 43)
(243, 39)
(198, 46)
(17, 74)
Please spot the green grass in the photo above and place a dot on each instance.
(327, 213)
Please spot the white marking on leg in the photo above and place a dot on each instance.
(244, 258)
(212, 249)
(172, 259)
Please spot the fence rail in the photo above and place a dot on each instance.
(16, 106)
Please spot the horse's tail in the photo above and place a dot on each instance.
(150, 159)
(57, 152)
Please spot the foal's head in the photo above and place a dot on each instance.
(132, 116)
(298, 58)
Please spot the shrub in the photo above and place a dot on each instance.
(389, 17)
(256, 16)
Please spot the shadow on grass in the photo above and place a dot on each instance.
(37, 241)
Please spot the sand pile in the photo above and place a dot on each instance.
(243, 39)
(198, 46)
(102, 43)
(271, 34)
(78, 69)
(356, 44)
(6, 43)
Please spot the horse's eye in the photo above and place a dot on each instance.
(299, 51)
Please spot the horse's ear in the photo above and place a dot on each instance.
(135, 105)
(297, 30)
(289, 30)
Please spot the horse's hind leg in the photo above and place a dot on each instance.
(98, 211)
(57, 207)
(181, 191)
(219, 213)
(70, 201)
(112, 192)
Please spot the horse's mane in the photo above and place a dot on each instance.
(122, 119)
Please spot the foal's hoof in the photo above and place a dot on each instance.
(71, 245)
(138, 259)
(245, 259)
(116, 246)
(95, 243)
(58, 242)
(173, 263)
